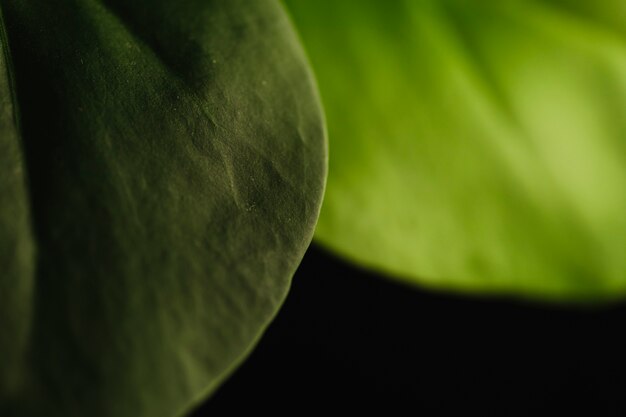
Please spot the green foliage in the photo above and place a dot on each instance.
(162, 165)
(158, 190)
(479, 146)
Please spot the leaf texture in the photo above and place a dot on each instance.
(159, 191)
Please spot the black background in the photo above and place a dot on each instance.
(347, 339)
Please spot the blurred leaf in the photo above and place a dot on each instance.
(16, 240)
(168, 172)
(478, 146)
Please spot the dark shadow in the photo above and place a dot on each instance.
(352, 340)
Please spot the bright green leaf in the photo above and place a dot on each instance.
(476, 145)
(157, 193)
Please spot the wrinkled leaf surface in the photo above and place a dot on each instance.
(161, 170)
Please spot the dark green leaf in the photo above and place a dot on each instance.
(479, 146)
(162, 189)
(16, 240)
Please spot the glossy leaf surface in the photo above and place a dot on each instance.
(158, 192)
(478, 146)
